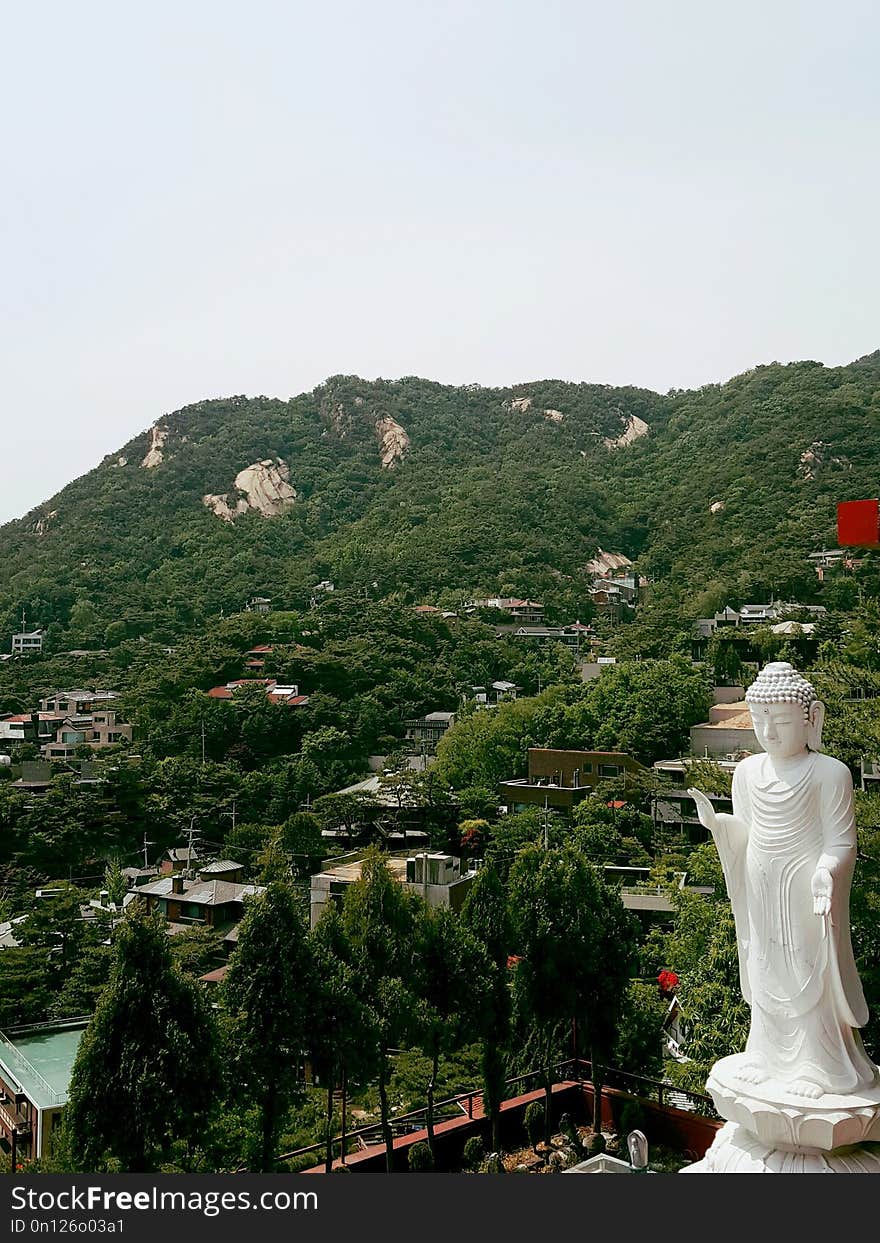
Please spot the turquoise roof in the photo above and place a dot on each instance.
(40, 1060)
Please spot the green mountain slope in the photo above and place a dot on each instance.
(435, 492)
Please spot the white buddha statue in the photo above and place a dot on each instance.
(788, 853)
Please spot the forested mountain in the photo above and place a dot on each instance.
(434, 493)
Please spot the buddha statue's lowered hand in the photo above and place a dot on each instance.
(822, 887)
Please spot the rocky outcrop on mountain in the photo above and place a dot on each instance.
(264, 486)
(815, 457)
(393, 441)
(717, 507)
(607, 563)
(633, 429)
(520, 405)
(41, 526)
(155, 455)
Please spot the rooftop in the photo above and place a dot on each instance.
(352, 871)
(201, 892)
(40, 1059)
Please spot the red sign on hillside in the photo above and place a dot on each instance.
(858, 523)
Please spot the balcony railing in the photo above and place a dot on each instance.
(578, 1070)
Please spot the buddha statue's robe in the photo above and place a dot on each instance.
(797, 969)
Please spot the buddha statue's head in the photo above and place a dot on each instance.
(786, 712)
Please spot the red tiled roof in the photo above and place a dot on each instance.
(259, 649)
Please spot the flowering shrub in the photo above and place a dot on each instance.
(668, 981)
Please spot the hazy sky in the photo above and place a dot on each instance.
(201, 199)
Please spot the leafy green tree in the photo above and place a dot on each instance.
(148, 1056)
(452, 984)
(269, 994)
(577, 945)
(486, 916)
(302, 842)
(638, 1040)
(715, 1017)
(379, 917)
(342, 1026)
(115, 883)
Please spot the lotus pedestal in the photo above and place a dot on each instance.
(771, 1131)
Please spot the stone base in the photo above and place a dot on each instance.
(735, 1151)
(779, 1119)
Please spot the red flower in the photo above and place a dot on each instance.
(668, 981)
(513, 959)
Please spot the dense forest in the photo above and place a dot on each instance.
(422, 491)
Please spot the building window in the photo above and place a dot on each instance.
(609, 770)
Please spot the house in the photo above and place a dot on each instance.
(259, 604)
(36, 775)
(135, 877)
(62, 704)
(35, 1068)
(27, 726)
(870, 773)
(256, 657)
(8, 939)
(93, 729)
(188, 903)
(520, 612)
(438, 878)
(27, 643)
(561, 779)
(178, 857)
(833, 559)
(426, 731)
(222, 869)
(493, 694)
(278, 694)
(729, 731)
(673, 808)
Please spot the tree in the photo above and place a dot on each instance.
(149, 1056)
(485, 915)
(379, 918)
(576, 945)
(638, 1040)
(452, 984)
(342, 1024)
(115, 883)
(302, 842)
(714, 1015)
(269, 994)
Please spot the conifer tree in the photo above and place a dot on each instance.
(146, 1070)
(269, 995)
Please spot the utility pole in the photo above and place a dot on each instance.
(191, 834)
(146, 844)
(546, 824)
(203, 742)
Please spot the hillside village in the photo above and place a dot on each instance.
(293, 761)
